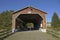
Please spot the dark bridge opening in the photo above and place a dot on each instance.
(28, 22)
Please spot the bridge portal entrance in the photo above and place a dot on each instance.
(28, 22)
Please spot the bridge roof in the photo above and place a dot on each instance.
(31, 8)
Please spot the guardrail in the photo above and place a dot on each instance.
(5, 33)
(54, 33)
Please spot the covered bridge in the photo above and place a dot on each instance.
(22, 17)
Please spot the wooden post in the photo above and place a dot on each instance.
(44, 25)
(13, 23)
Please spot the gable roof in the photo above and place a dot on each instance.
(29, 7)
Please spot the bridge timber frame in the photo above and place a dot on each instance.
(29, 10)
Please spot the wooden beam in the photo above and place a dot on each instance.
(20, 20)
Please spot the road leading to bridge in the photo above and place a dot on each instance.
(30, 35)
